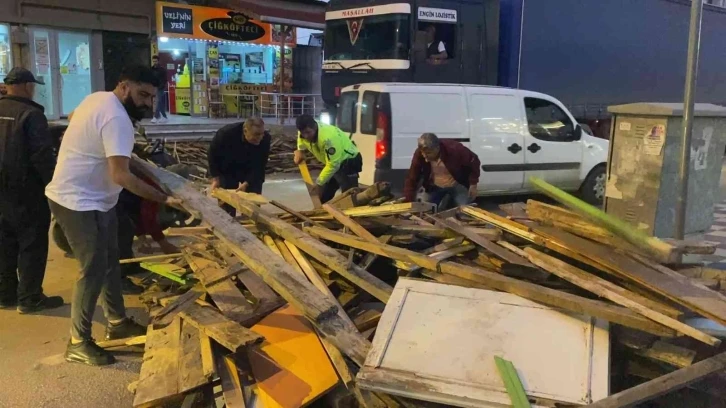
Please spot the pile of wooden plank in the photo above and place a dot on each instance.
(280, 159)
(284, 305)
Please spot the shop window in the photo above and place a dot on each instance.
(547, 121)
(346, 119)
(6, 61)
(437, 41)
(368, 111)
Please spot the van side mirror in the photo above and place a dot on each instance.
(577, 134)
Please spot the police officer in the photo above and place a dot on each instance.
(27, 162)
(335, 149)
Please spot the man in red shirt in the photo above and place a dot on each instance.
(446, 168)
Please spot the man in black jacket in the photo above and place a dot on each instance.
(27, 163)
(161, 75)
(238, 156)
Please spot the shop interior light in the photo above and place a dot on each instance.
(164, 39)
(176, 52)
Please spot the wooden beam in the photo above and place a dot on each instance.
(224, 331)
(292, 212)
(230, 380)
(510, 226)
(205, 347)
(165, 316)
(191, 371)
(496, 281)
(348, 222)
(382, 210)
(131, 341)
(158, 379)
(228, 298)
(605, 289)
(150, 258)
(309, 183)
(664, 384)
(323, 253)
(253, 253)
(495, 249)
(662, 251)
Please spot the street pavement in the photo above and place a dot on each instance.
(34, 374)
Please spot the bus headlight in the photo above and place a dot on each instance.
(325, 118)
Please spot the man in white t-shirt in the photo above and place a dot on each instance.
(92, 169)
(435, 50)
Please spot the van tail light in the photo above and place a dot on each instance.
(383, 138)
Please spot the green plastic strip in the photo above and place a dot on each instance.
(512, 383)
(167, 270)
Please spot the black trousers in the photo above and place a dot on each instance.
(23, 251)
(344, 179)
(93, 237)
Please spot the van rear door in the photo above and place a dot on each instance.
(496, 137)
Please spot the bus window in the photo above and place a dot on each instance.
(438, 41)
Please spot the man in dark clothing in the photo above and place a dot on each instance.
(238, 156)
(446, 167)
(161, 75)
(27, 162)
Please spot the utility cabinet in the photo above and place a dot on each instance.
(644, 158)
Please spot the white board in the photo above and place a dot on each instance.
(437, 342)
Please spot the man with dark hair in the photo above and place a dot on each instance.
(335, 149)
(27, 161)
(238, 157)
(446, 167)
(93, 168)
(161, 75)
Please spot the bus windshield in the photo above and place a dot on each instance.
(385, 36)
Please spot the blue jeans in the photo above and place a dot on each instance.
(458, 194)
(160, 103)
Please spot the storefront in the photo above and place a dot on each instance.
(6, 53)
(62, 59)
(219, 61)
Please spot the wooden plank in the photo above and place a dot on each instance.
(165, 316)
(664, 384)
(158, 380)
(230, 380)
(292, 212)
(603, 288)
(313, 247)
(224, 331)
(191, 371)
(228, 298)
(275, 272)
(309, 183)
(496, 281)
(291, 366)
(661, 351)
(699, 299)
(662, 251)
(205, 348)
(495, 249)
(510, 226)
(150, 258)
(348, 222)
(383, 210)
(131, 341)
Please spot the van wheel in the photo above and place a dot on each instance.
(593, 189)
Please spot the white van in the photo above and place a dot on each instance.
(515, 133)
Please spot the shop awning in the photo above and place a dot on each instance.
(303, 14)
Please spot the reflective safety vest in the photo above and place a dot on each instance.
(332, 148)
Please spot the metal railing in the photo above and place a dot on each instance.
(283, 105)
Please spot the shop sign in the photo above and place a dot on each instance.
(237, 27)
(436, 14)
(208, 23)
(239, 89)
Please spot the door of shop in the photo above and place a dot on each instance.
(63, 60)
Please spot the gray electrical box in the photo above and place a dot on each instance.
(645, 149)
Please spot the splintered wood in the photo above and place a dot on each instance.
(315, 284)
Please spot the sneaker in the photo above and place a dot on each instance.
(88, 352)
(8, 304)
(125, 329)
(154, 120)
(163, 120)
(44, 303)
(130, 288)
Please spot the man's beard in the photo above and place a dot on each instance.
(136, 113)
